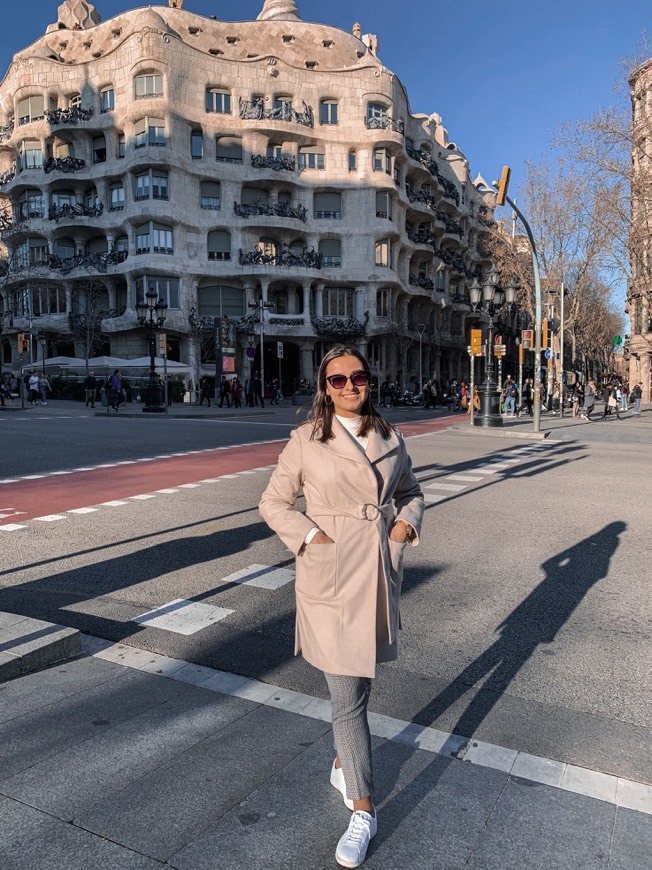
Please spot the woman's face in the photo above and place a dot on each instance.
(348, 401)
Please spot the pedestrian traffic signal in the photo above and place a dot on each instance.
(26, 345)
(545, 335)
(502, 184)
(476, 342)
(23, 342)
(527, 338)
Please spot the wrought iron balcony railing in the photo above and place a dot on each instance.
(421, 281)
(340, 326)
(308, 258)
(384, 122)
(420, 237)
(278, 209)
(254, 110)
(69, 116)
(7, 131)
(59, 212)
(454, 260)
(63, 164)
(6, 177)
(260, 161)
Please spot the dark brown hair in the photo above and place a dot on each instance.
(321, 412)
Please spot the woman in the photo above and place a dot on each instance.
(363, 503)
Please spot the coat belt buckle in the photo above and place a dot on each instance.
(369, 512)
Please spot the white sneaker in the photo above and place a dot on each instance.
(352, 847)
(337, 781)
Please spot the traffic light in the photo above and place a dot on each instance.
(545, 335)
(22, 340)
(502, 185)
(527, 339)
(476, 342)
(26, 345)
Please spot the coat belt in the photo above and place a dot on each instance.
(367, 511)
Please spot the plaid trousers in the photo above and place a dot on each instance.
(349, 700)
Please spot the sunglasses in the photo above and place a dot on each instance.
(358, 379)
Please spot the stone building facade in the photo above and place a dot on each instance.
(638, 348)
(225, 165)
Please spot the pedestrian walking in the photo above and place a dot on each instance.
(510, 393)
(236, 392)
(363, 503)
(90, 389)
(115, 390)
(589, 401)
(249, 393)
(225, 392)
(636, 396)
(204, 392)
(257, 385)
(33, 388)
(44, 388)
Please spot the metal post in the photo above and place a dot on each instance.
(500, 380)
(520, 375)
(262, 351)
(165, 382)
(472, 361)
(536, 403)
(561, 351)
(21, 383)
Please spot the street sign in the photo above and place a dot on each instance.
(279, 349)
(550, 354)
(618, 339)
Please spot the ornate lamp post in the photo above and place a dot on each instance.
(151, 312)
(421, 328)
(262, 307)
(43, 341)
(490, 300)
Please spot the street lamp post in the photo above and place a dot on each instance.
(262, 307)
(151, 312)
(489, 299)
(43, 341)
(421, 328)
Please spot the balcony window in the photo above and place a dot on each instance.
(122, 244)
(338, 301)
(312, 157)
(149, 85)
(107, 100)
(210, 195)
(117, 197)
(150, 131)
(99, 149)
(383, 205)
(441, 281)
(219, 245)
(33, 252)
(283, 108)
(353, 160)
(122, 145)
(30, 109)
(167, 288)
(383, 303)
(32, 155)
(274, 152)
(218, 101)
(254, 195)
(328, 204)
(152, 184)
(48, 300)
(196, 145)
(74, 101)
(382, 160)
(155, 238)
(65, 248)
(331, 253)
(221, 301)
(328, 112)
(63, 150)
(91, 199)
(228, 149)
(63, 198)
(30, 205)
(383, 253)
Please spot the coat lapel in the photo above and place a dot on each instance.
(379, 446)
(343, 444)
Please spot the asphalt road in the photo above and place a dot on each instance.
(527, 618)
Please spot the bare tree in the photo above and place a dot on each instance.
(90, 308)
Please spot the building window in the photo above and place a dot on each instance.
(152, 183)
(328, 204)
(122, 244)
(210, 195)
(383, 303)
(107, 100)
(228, 149)
(63, 197)
(312, 157)
(383, 205)
(638, 315)
(91, 199)
(383, 253)
(64, 149)
(331, 253)
(338, 301)
(99, 149)
(122, 145)
(32, 155)
(221, 302)
(353, 160)
(282, 108)
(382, 161)
(274, 152)
(196, 144)
(149, 85)
(30, 205)
(33, 252)
(150, 131)
(328, 112)
(441, 281)
(74, 101)
(117, 197)
(30, 109)
(218, 101)
(166, 287)
(155, 238)
(376, 111)
(219, 245)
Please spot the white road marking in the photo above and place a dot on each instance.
(167, 491)
(85, 510)
(189, 485)
(11, 527)
(182, 616)
(114, 503)
(262, 576)
(452, 487)
(463, 477)
(142, 497)
(431, 498)
(50, 518)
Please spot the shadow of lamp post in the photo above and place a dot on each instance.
(151, 312)
(490, 300)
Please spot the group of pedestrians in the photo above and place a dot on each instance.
(37, 387)
(233, 391)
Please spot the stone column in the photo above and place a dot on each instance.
(306, 361)
(250, 293)
(319, 300)
(306, 304)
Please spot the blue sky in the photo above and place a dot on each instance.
(503, 75)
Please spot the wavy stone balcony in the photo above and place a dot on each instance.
(277, 209)
(254, 110)
(63, 164)
(450, 191)
(69, 116)
(348, 327)
(421, 281)
(308, 259)
(64, 212)
(260, 161)
(384, 122)
(98, 261)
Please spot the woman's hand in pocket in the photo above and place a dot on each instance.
(321, 538)
(399, 533)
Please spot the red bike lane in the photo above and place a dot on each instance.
(25, 500)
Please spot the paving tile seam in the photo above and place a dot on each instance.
(611, 789)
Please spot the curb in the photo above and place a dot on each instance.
(28, 645)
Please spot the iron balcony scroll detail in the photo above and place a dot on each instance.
(308, 258)
(452, 226)
(384, 122)
(9, 175)
(341, 326)
(421, 281)
(278, 209)
(260, 161)
(7, 131)
(426, 160)
(254, 110)
(69, 116)
(96, 261)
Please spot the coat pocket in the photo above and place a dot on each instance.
(396, 551)
(317, 571)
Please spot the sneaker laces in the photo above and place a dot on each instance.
(358, 829)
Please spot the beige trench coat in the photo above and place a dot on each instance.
(347, 593)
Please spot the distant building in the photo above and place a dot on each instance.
(223, 163)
